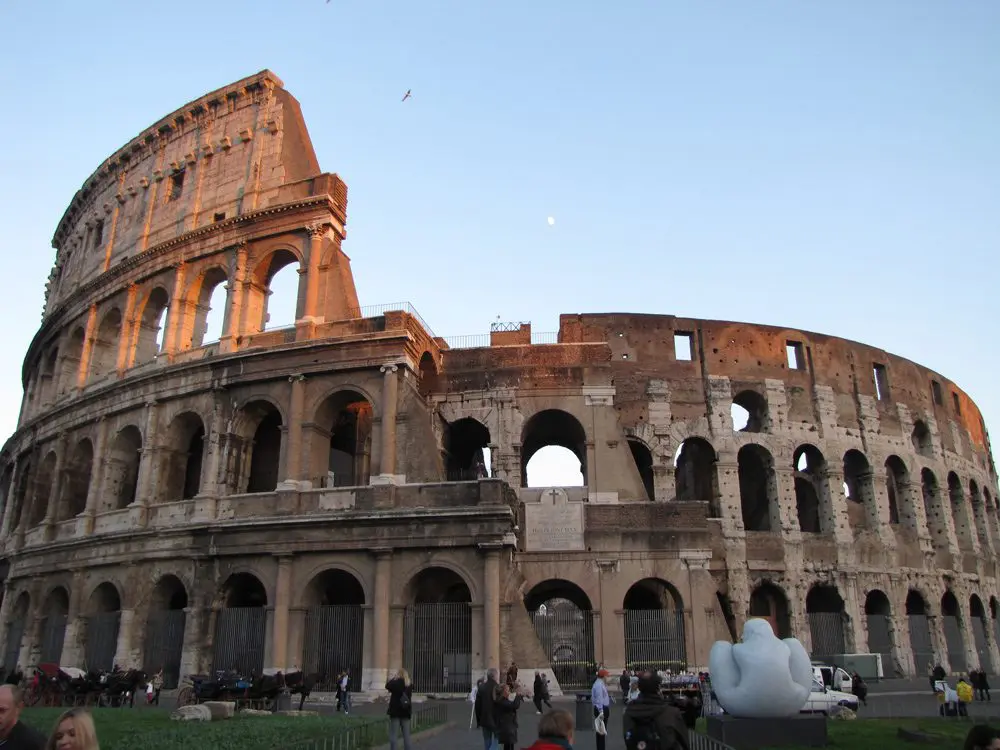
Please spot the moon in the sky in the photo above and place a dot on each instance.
(552, 221)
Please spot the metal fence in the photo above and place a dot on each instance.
(699, 741)
(334, 641)
(437, 647)
(375, 732)
(954, 643)
(880, 641)
(654, 639)
(567, 637)
(239, 640)
(53, 636)
(165, 645)
(101, 641)
(920, 643)
(827, 631)
(12, 652)
(375, 311)
(982, 644)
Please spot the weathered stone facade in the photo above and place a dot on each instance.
(192, 498)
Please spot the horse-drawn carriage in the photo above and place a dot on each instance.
(256, 691)
(54, 685)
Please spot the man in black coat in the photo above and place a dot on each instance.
(651, 715)
(485, 709)
(15, 735)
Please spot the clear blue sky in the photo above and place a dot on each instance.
(833, 166)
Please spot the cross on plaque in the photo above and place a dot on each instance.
(553, 496)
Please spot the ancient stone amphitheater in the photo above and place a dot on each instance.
(350, 491)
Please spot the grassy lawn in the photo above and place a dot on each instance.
(881, 733)
(129, 729)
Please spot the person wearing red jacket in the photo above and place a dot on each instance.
(555, 731)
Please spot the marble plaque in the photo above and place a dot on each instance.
(553, 526)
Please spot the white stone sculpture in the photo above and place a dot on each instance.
(762, 676)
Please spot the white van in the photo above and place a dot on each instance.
(835, 678)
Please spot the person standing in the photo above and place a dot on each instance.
(601, 701)
(540, 693)
(625, 682)
(485, 710)
(14, 734)
(650, 722)
(508, 701)
(345, 690)
(400, 708)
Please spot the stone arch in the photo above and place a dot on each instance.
(552, 428)
(951, 619)
(55, 613)
(48, 375)
(438, 584)
(343, 426)
(827, 621)
(563, 619)
(655, 635)
(76, 481)
(182, 456)
(69, 363)
(466, 441)
(103, 622)
(121, 482)
(255, 454)
(749, 409)
(811, 492)
(152, 323)
(164, 635)
(104, 352)
(200, 297)
(959, 512)
(768, 601)
(22, 492)
(758, 489)
(897, 487)
(437, 624)
(695, 474)
(15, 627)
(241, 625)
(334, 632)
(933, 508)
(859, 485)
(42, 489)
(980, 628)
(643, 458)
(259, 290)
(428, 374)
(878, 614)
(920, 438)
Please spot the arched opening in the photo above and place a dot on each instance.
(103, 620)
(749, 412)
(654, 627)
(22, 493)
(878, 613)
(952, 621)
(48, 381)
(980, 515)
(209, 295)
(55, 612)
(920, 632)
(564, 623)
(149, 339)
(758, 489)
(768, 602)
(827, 621)
(76, 481)
(695, 476)
(428, 375)
(810, 488)
(42, 489)
(182, 456)
(334, 636)
(437, 631)
(995, 618)
(344, 421)
(465, 444)
(933, 509)
(273, 296)
(241, 626)
(15, 631)
(859, 483)
(104, 353)
(69, 365)
(122, 473)
(164, 643)
(643, 459)
(549, 431)
(897, 487)
(979, 628)
(959, 512)
(921, 439)
(994, 516)
(257, 448)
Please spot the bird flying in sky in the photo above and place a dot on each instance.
(406, 95)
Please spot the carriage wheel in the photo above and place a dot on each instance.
(185, 697)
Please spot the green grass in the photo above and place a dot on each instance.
(129, 729)
(881, 733)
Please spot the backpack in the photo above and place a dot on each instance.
(404, 698)
(645, 735)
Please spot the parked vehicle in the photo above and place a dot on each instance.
(835, 678)
(823, 700)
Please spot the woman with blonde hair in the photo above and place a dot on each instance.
(400, 708)
(74, 730)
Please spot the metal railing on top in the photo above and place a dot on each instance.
(374, 732)
(699, 741)
(481, 340)
(374, 311)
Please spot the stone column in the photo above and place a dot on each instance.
(88, 347)
(234, 301)
(292, 474)
(56, 487)
(207, 499)
(86, 524)
(310, 310)
(170, 345)
(282, 600)
(390, 392)
(145, 495)
(8, 506)
(5, 607)
(75, 623)
(491, 606)
(123, 649)
(378, 673)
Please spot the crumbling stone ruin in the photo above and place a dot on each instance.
(351, 491)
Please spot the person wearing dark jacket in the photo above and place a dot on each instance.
(15, 734)
(507, 702)
(400, 708)
(650, 708)
(555, 731)
(624, 682)
(485, 709)
(982, 685)
(540, 692)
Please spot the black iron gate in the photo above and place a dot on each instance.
(334, 641)
(955, 644)
(567, 637)
(239, 640)
(164, 645)
(437, 647)
(880, 641)
(102, 641)
(12, 652)
(53, 637)
(827, 631)
(982, 644)
(920, 644)
(654, 639)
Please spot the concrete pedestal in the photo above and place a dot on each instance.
(804, 730)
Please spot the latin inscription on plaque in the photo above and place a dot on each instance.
(554, 524)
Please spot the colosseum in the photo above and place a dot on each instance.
(351, 491)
